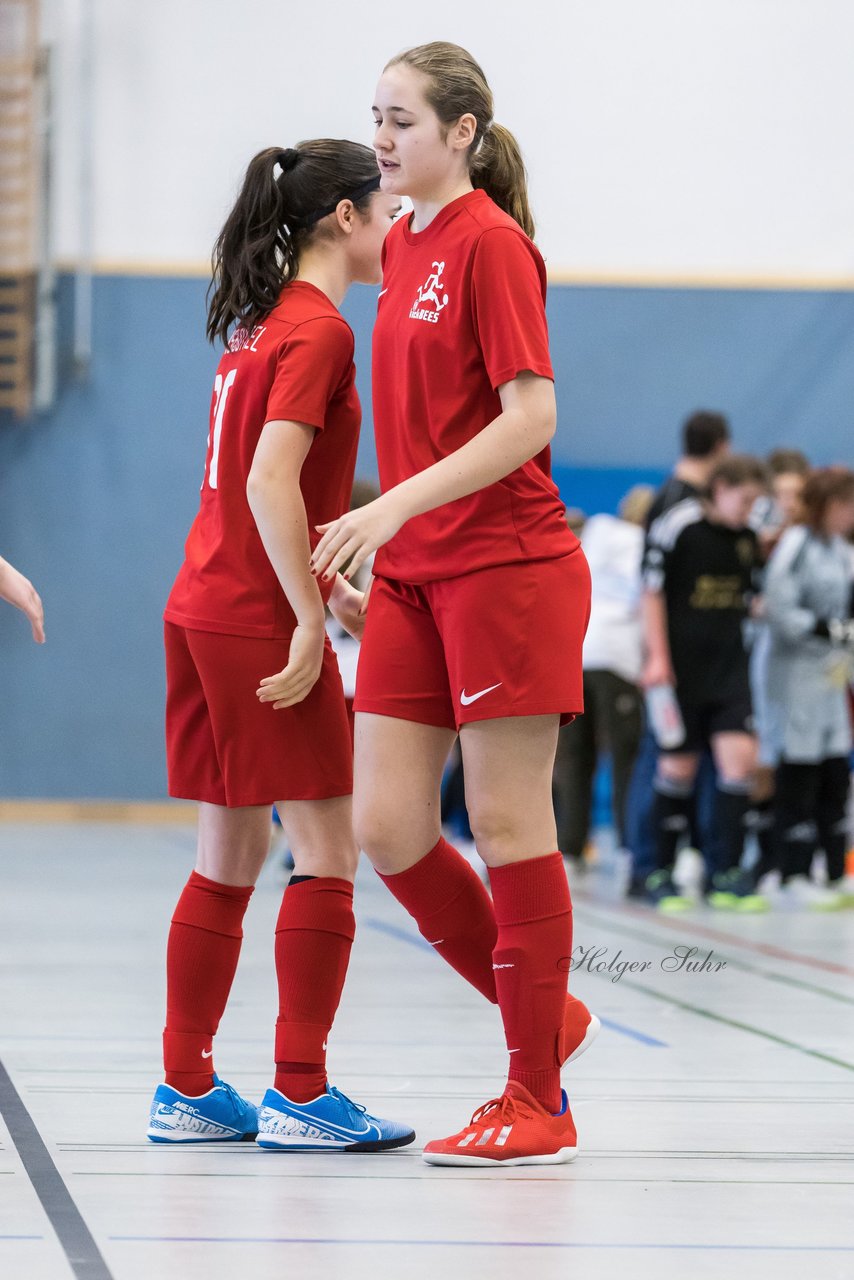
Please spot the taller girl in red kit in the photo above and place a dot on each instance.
(255, 711)
(481, 596)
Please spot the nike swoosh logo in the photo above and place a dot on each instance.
(207, 1053)
(468, 699)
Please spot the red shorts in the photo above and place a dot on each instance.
(225, 747)
(500, 642)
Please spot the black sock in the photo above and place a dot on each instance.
(299, 880)
(731, 804)
(672, 819)
(760, 820)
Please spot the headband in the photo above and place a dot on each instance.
(356, 194)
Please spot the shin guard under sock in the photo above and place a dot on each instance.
(201, 959)
(732, 801)
(453, 911)
(533, 912)
(673, 803)
(314, 936)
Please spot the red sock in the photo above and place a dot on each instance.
(314, 934)
(201, 957)
(453, 911)
(534, 914)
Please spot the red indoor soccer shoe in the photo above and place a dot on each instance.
(513, 1129)
(580, 1029)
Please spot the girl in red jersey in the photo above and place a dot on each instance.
(481, 596)
(284, 427)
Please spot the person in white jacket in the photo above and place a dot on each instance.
(808, 594)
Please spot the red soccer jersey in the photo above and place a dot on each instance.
(296, 366)
(461, 311)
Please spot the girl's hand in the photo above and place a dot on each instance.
(21, 593)
(347, 606)
(299, 677)
(348, 541)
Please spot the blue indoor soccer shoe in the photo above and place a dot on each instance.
(328, 1123)
(220, 1115)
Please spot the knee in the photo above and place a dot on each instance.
(675, 774)
(390, 839)
(495, 832)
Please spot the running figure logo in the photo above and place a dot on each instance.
(430, 293)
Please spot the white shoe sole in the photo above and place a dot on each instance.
(593, 1028)
(564, 1156)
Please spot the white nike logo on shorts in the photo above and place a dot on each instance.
(467, 699)
(207, 1053)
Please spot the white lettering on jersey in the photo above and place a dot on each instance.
(242, 339)
(429, 293)
(221, 390)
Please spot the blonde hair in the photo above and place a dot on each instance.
(635, 505)
(456, 87)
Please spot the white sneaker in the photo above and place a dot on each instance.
(689, 871)
(805, 894)
(769, 885)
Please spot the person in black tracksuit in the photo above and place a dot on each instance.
(699, 572)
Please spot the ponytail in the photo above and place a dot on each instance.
(498, 169)
(275, 216)
(456, 87)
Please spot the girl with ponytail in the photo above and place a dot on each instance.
(255, 711)
(481, 595)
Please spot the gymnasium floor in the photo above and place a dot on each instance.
(715, 1112)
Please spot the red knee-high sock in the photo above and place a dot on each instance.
(314, 934)
(534, 914)
(201, 957)
(453, 911)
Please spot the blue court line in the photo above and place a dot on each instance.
(485, 1244)
(21, 1237)
(635, 1035)
(415, 940)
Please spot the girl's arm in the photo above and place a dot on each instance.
(277, 505)
(524, 427)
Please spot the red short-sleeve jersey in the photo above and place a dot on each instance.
(461, 311)
(296, 366)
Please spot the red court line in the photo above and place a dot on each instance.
(717, 935)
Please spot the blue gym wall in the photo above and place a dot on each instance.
(96, 496)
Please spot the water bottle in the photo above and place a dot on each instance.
(665, 718)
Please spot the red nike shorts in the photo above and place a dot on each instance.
(225, 747)
(504, 641)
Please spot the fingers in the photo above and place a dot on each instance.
(288, 687)
(35, 613)
(323, 561)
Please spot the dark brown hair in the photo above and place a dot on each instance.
(736, 469)
(257, 252)
(704, 432)
(821, 488)
(457, 87)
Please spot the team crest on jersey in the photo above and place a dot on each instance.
(432, 299)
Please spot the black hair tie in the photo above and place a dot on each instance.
(287, 159)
